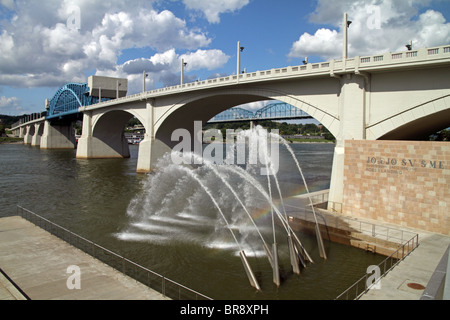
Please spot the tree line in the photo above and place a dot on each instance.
(285, 129)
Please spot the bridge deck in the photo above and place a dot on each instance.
(37, 263)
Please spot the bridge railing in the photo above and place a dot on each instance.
(330, 67)
(163, 285)
(29, 118)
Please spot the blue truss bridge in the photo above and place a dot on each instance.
(69, 98)
(274, 111)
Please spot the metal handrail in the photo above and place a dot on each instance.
(350, 224)
(167, 287)
(360, 287)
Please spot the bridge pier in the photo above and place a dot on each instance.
(38, 131)
(58, 136)
(105, 142)
(150, 149)
(144, 164)
(352, 110)
(28, 135)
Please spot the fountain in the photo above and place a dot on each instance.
(176, 178)
(318, 235)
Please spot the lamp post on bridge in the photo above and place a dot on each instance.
(118, 84)
(239, 50)
(145, 75)
(183, 65)
(345, 26)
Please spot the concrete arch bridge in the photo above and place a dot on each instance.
(393, 96)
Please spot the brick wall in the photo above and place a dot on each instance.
(400, 182)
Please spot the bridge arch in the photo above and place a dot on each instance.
(68, 98)
(126, 115)
(108, 136)
(206, 105)
(414, 123)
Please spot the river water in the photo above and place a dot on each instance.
(167, 223)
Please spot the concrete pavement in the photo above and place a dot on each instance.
(37, 262)
(409, 278)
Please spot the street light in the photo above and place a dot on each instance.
(409, 46)
(183, 64)
(145, 75)
(345, 26)
(117, 88)
(239, 50)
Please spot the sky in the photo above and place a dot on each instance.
(47, 44)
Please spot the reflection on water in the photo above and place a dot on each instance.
(187, 243)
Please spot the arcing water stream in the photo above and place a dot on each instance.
(147, 208)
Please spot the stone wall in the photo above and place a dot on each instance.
(400, 182)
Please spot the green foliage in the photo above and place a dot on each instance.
(7, 121)
(443, 135)
(285, 129)
(10, 140)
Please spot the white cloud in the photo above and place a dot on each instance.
(6, 102)
(255, 106)
(8, 4)
(205, 59)
(165, 67)
(324, 43)
(40, 49)
(378, 26)
(213, 8)
(10, 105)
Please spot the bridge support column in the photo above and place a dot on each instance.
(85, 142)
(145, 155)
(144, 163)
(36, 139)
(352, 109)
(150, 149)
(58, 136)
(28, 135)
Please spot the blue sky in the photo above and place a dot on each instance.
(46, 44)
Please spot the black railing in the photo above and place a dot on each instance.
(364, 284)
(157, 282)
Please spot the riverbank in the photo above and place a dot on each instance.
(9, 140)
(311, 141)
